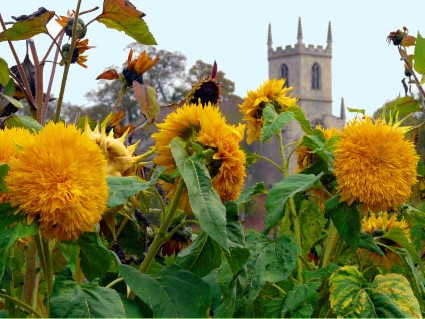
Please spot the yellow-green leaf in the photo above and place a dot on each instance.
(122, 15)
(388, 296)
(146, 97)
(4, 72)
(28, 26)
(419, 58)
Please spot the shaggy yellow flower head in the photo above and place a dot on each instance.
(60, 179)
(378, 226)
(374, 165)
(12, 140)
(121, 161)
(252, 107)
(206, 126)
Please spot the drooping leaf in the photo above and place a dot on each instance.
(4, 72)
(122, 188)
(204, 200)
(201, 257)
(281, 192)
(312, 223)
(146, 98)
(270, 260)
(175, 293)
(94, 256)
(354, 110)
(301, 118)
(28, 26)
(88, 300)
(301, 301)
(346, 220)
(11, 100)
(273, 122)
(122, 15)
(23, 121)
(419, 54)
(367, 242)
(246, 194)
(388, 296)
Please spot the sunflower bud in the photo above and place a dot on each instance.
(81, 28)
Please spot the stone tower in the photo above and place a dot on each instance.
(308, 69)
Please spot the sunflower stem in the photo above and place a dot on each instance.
(21, 304)
(120, 96)
(49, 270)
(282, 153)
(30, 287)
(159, 238)
(330, 244)
(271, 162)
(68, 63)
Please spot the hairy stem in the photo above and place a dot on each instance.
(330, 244)
(29, 289)
(22, 304)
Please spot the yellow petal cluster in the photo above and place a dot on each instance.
(377, 225)
(12, 142)
(374, 165)
(270, 91)
(206, 125)
(59, 179)
(120, 159)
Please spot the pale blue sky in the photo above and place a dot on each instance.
(366, 70)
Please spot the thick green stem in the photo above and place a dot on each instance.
(29, 289)
(21, 304)
(282, 153)
(330, 244)
(159, 238)
(67, 63)
(271, 162)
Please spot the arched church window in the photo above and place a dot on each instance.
(315, 77)
(284, 73)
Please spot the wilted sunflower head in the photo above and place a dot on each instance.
(13, 140)
(135, 68)
(81, 46)
(205, 126)
(375, 165)
(207, 90)
(378, 225)
(59, 179)
(120, 159)
(271, 91)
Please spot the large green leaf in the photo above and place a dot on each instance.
(176, 293)
(204, 200)
(281, 192)
(94, 256)
(301, 301)
(346, 220)
(312, 221)
(4, 72)
(122, 188)
(88, 300)
(368, 242)
(202, 256)
(273, 122)
(388, 296)
(28, 26)
(300, 117)
(419, 54)
(121, 15)
(270, 260)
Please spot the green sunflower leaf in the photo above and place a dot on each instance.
(273, 122)
(28, 26)
(419, 55)
(94, 256)
(23, 121)
(388, 296)
(301, 118)
(269, 261)
(88, 300)
(367, 242)
(280, 193)
(121, 15)
(122, 188)
(204, 200)
(247, 193)
(175, 293)
(4, 72)
(346, 220)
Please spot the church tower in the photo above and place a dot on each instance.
(308, 69)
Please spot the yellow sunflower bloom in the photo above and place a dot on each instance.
(270, 91)
(205, 125)
(374, 165)
(60, 180)
(120, 159)
(12, 142)
(377, 226)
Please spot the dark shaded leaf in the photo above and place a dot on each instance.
(94, 256)
(367, 242)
